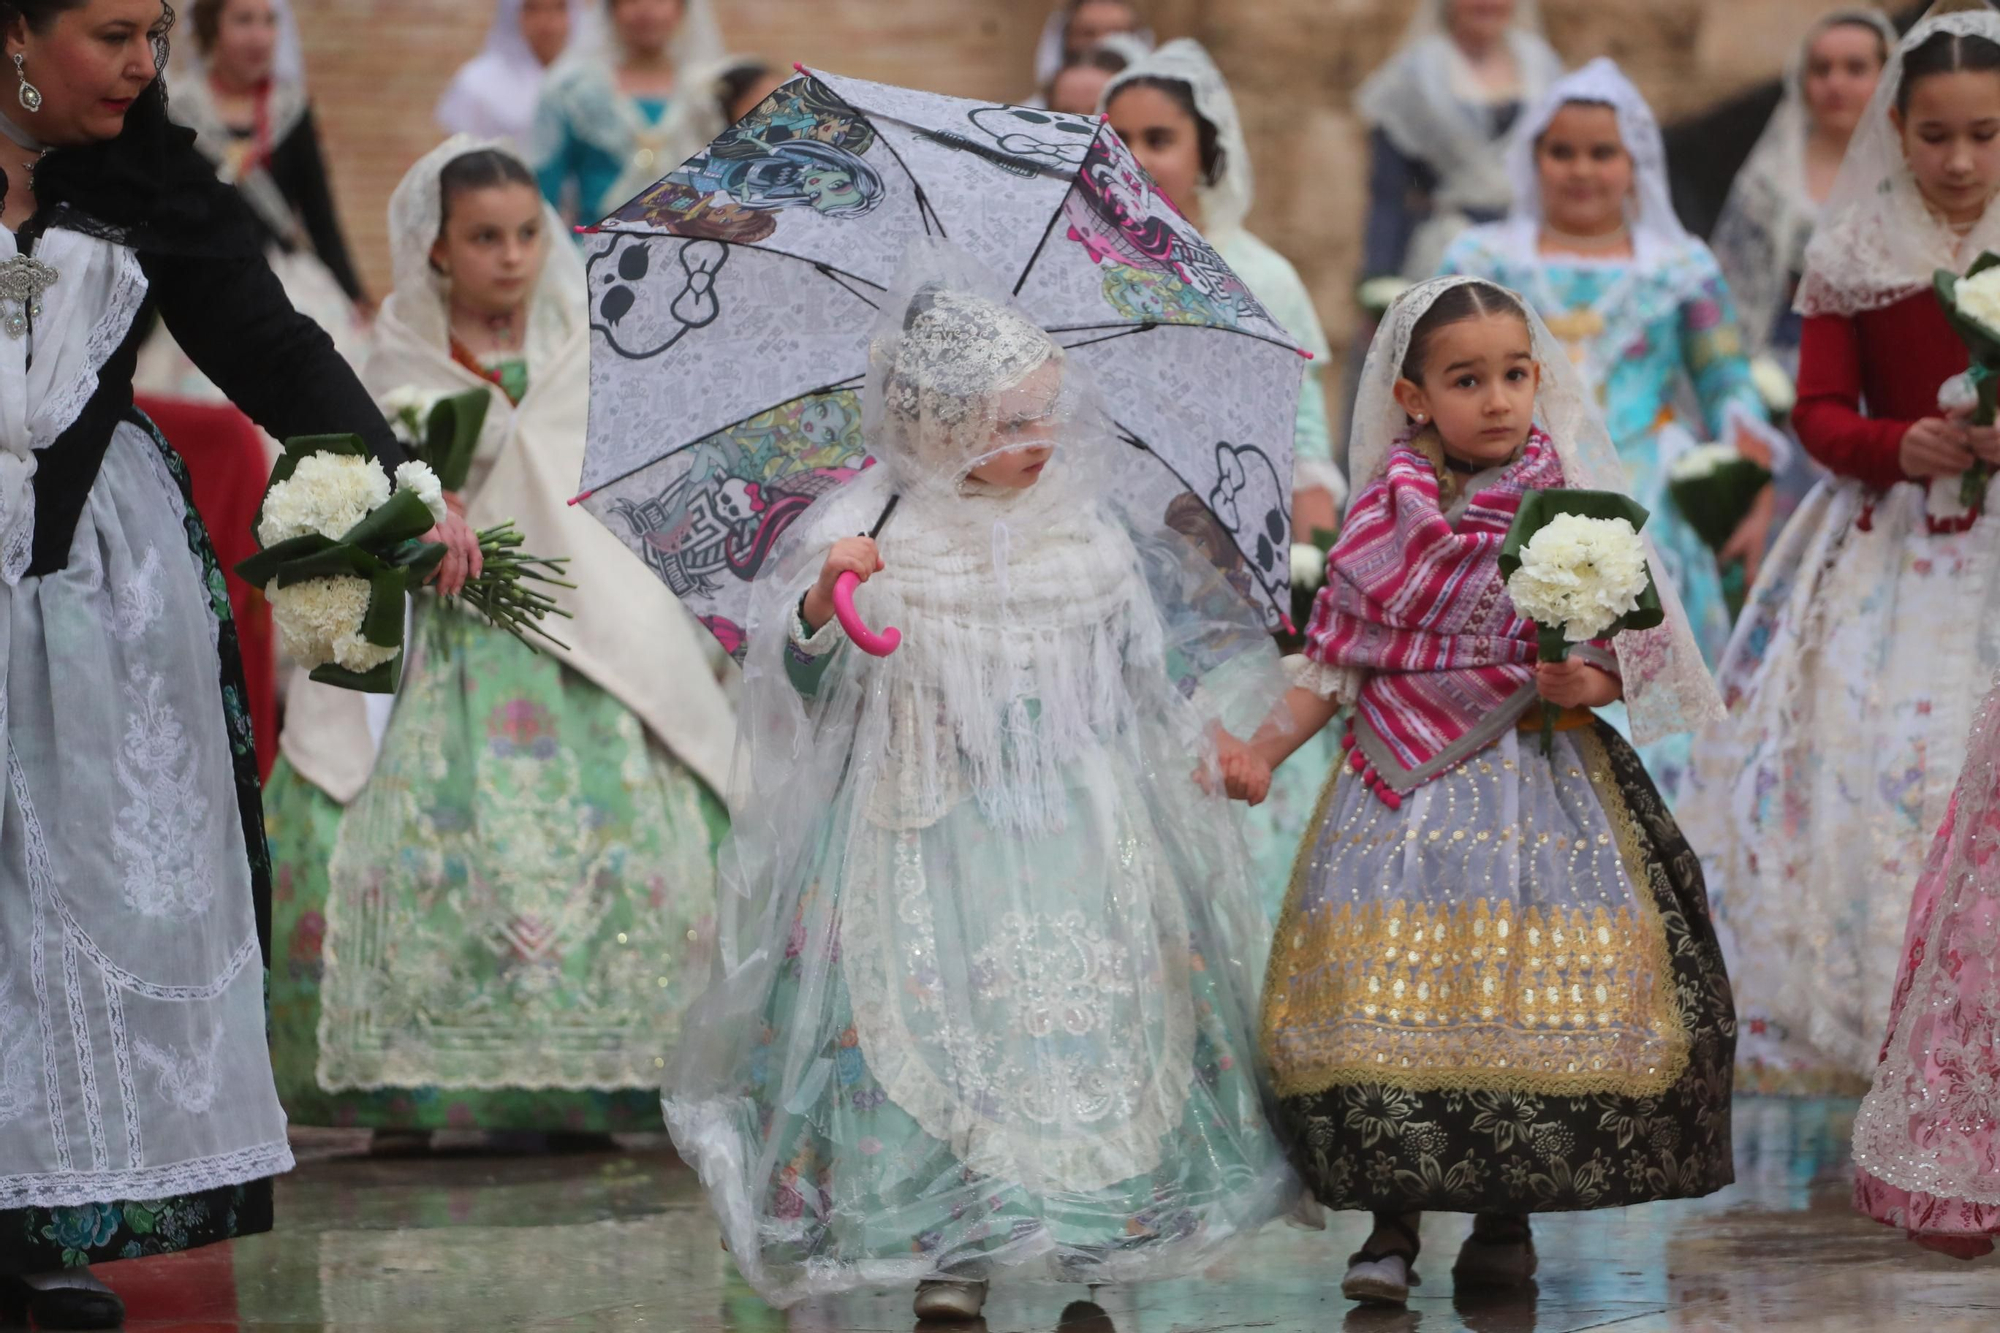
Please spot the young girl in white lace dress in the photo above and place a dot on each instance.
(989, 950)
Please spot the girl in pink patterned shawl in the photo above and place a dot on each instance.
(1495, 989)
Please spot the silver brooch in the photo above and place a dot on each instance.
(23, 279)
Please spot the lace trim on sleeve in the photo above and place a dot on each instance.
(812, 644)
(1342, 685)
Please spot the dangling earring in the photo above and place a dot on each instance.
(29, 95)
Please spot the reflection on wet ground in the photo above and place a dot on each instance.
(622, 1242)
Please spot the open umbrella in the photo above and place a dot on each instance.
(731, 304)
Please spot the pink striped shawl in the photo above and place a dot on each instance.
(1420, 605)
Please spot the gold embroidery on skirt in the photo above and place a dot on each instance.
(1478, 995)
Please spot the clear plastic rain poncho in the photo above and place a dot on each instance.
(989, 954)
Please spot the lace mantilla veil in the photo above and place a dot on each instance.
(1769, 216)
(1877, 242)
(1668, 689)
(422, 298)
(1225, 202)
(1656, 228)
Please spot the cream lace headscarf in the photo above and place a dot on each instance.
(1878, 242)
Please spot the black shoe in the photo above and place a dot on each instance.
(58, 1307)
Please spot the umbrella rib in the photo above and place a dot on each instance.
(824, 390)
(1050, 230)
(835, 276)
(925, 213)
(1150, 325)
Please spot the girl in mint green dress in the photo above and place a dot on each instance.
(495, 898)
(987, 986)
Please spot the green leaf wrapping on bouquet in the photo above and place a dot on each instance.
(1716, 505)
(419, 559)
(259, 569)
(451, 436)
(403, 518)
(381, 680)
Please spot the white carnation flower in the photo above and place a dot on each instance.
(409, 398)
(1959, 393)
(1979, 299)
(418, 477)
(408, 411)
(1774, 386)
(1581, 574)
(327, 494)
(319, 621)
(1308, 565)
(1701, 461)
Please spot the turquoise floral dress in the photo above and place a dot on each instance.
(592, 146)
(1654, 337)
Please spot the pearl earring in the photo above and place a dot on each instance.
(29, 95)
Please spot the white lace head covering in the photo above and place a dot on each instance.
(1049, 48)
(1877, 241)
(1225, 201)
(949, 368)
(1656, 228)
(1668, 689)
(506, 45)
(1761, 236)
(1425, 99)
(422, 297)
(288, 61)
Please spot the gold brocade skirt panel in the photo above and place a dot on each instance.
(1500, 931)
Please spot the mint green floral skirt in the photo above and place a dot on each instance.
(502, 930)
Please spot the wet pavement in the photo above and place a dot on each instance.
(622, 1242)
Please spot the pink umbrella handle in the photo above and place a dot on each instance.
(878, 645)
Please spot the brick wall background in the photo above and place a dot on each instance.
(377, 67)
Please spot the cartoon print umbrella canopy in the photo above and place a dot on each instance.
(731, 305)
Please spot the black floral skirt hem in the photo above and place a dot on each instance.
(1384, 1149)
(42, 1240)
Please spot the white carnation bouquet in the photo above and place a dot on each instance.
(1575, 565)
(1715, 487)
(340, 549)
(1972, 304)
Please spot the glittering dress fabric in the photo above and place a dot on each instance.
(1505, 996)
(1927, 1137)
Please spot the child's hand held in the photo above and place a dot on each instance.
(1245, 774)
(1575, 683)
(850, 555)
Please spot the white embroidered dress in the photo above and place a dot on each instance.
(132, 1055)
